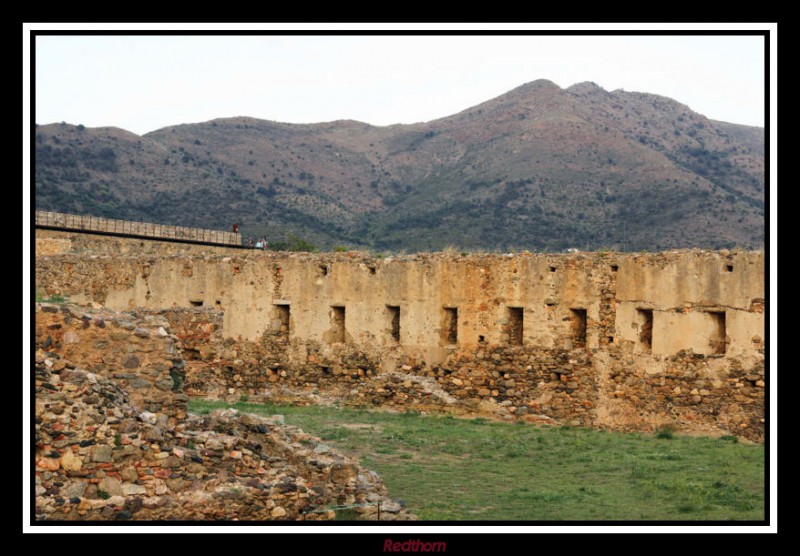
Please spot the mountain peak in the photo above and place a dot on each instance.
(536, 86)
(585, 87)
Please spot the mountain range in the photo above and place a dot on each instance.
(537, 168)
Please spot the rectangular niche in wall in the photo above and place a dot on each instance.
(644, 318)
(718, 332)
(450, 325)
(577, 319)
(283, 315)
(515, 325)
(393, 312)
(337, 324)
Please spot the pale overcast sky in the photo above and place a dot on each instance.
(143, 83)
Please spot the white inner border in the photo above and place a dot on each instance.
(402, 532)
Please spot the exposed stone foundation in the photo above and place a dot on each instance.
(693, 393)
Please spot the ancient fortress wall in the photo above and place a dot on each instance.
(602, 339)
(702, 301)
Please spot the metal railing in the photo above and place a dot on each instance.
(100, 224)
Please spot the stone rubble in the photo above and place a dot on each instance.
(100, 456)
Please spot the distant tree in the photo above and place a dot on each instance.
(294, 243)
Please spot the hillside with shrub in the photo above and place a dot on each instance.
(538, 168)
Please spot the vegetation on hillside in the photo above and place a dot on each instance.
(539, 168)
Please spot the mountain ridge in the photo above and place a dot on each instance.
(538, 167)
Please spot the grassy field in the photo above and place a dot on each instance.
(457, 469)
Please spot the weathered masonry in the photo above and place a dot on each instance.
(113, 440)
(429, 304)
(602, 339)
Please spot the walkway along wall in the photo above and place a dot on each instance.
(100, 224)
(626, 341)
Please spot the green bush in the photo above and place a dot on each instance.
(295, 243)
(177, 380)
(55, 298)
(665, 432)
(346, 514)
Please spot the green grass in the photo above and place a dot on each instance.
(55, 298)
(459, 469)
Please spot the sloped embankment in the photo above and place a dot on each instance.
(101, 455)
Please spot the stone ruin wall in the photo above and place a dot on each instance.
(112, 440)
(140, 355)
(622, 341)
